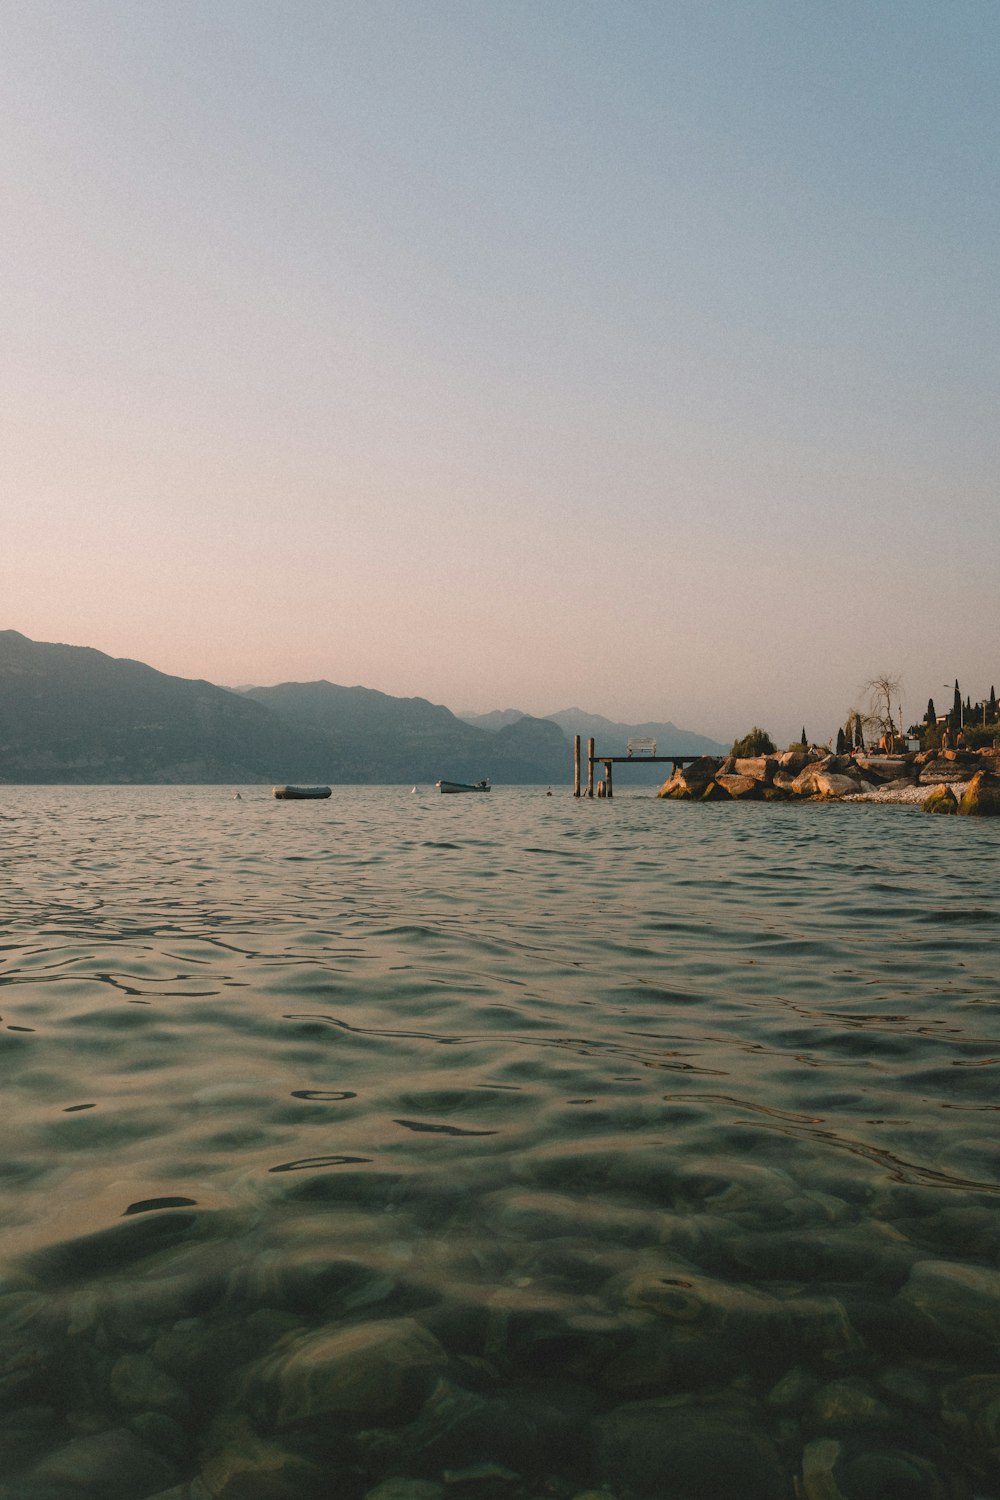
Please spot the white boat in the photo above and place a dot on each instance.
(462, 786)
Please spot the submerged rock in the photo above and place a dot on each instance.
(793, 1390)
(406, 1489)
(237, 1459)
(853, 1469)
(850, 1402)
(530, 1427)
(25, 1366)
(683, 1297)
(113, 1464)
(137, 1384)
(972, 1408)
(728, 1321)
(961, 1299)
(378, 1369)
(822, 1330)
(689, 1452)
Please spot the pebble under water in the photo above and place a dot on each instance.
(408, 1147)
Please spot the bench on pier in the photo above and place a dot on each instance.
(642, 746)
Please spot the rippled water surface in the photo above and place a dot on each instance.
(500, 1145)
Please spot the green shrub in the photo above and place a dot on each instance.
(757, 742)
(977, 735)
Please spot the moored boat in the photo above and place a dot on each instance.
(462, 786)
(300, 793)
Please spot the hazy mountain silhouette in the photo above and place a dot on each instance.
(410, 739)
(611, 738)
(499, 718)
(73, 714)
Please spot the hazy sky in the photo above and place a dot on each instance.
(641, 356)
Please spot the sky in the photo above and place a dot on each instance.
(641, 357)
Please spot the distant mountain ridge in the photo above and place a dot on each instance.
(74, 714)
(610, 736)
(410, 739)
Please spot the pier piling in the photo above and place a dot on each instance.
(634, 757)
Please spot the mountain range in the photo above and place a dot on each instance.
(73, 714)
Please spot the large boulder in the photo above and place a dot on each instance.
(885, 767)
(941, 800)
(819, 780)
(846, 765)
(981, 798)
(948, 765)
(690, 781)
(714, 791)
(744, 788)
(793, 761)
(831, 784)
(760, 767)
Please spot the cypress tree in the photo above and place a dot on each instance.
(955, 717)
(930, 717)
(991, 707)
(803, 740)
(841, 742)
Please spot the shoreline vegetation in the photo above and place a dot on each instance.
(965, 782)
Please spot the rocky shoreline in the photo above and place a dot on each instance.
(941, 781)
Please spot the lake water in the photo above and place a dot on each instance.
(496, 1146)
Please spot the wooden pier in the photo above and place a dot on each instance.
(640, 757)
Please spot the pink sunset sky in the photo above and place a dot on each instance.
(642, 358)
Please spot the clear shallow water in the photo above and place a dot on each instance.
(497, 1146)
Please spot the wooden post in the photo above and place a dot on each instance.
(608, 789)
(576, 765)
(590, 768)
